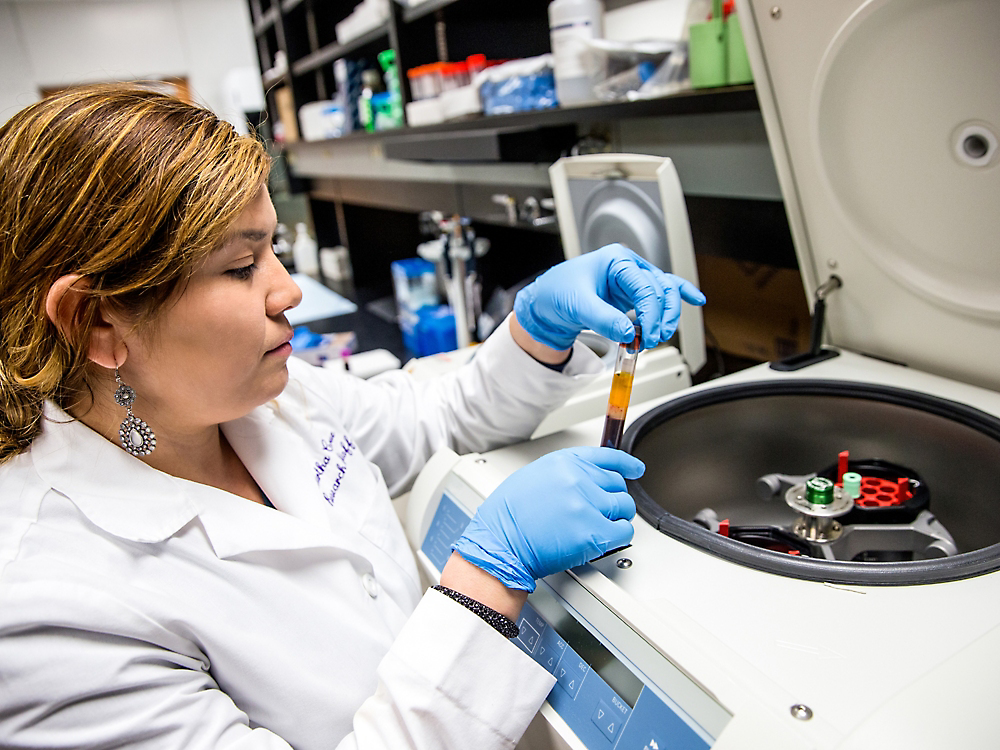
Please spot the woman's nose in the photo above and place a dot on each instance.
(284, 293)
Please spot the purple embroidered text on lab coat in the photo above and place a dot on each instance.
(336, 451)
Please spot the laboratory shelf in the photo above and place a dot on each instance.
(419, 11)
(266, 21)
(332, 52)
(368, 187)
(694, 101)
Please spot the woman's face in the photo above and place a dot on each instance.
(219, 350)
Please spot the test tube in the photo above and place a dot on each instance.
(621, 391)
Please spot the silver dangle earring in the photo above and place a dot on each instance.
(135, 435)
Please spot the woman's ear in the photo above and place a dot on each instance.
(64, 307)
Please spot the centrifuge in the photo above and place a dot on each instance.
(816, 556)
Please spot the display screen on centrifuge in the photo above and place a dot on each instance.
(618, 677)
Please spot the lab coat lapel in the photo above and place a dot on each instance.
(281, 462)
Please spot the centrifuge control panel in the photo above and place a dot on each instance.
(601, 695)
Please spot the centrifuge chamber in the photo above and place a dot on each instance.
(711, 449)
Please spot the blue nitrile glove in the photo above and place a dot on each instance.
(562, 510)
(595, 290)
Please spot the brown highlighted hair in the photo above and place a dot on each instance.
(126, 187)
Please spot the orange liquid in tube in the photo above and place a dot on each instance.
(621, 391)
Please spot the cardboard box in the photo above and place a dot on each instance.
(754, 310)
(286, 113)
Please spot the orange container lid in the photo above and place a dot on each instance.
(428, 69)
(455, 68)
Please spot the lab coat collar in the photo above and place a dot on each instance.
(115, 490)
(123, 496)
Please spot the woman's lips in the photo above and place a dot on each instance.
(282, 350)
(284, 347)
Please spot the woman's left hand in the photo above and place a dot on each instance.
(595, 290)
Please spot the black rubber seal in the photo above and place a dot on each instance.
(955, 568)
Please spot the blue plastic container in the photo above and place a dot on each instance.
(429, 330)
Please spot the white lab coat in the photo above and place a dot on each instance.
(142, 610)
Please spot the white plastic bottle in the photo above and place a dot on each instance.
(571, 23)
(305, 251)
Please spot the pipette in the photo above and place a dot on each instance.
(621, 390)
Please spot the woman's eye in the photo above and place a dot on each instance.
(243, 272)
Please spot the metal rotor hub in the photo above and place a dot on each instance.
(818, 502)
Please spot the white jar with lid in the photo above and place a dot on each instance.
(571, 23)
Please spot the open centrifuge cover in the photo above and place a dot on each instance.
(635, 200)
(884, 119)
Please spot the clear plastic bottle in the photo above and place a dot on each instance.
(571, 24)
(305, 251)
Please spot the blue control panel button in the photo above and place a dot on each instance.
(550, 650)
(570, 672)
(532, 626)
(607, 720)
(529, 637)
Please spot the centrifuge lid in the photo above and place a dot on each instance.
(884, 120)
(634, 199)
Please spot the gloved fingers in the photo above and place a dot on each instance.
(612, 252)
(642, 289)
(618, 461)
(677, 289)
(605, 480)
(617, 251)
(614, 505)
(670, 315)
(662, 321)
(689, 292)
(606, 319)
(619, 534)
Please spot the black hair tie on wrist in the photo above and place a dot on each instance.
(503, 625)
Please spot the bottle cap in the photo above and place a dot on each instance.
(636, 343)
(852, 484)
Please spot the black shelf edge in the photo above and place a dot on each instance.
(266, 21)
(333, 51)
(287, 5)
(694, 101)
(429, 6)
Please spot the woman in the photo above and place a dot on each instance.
(197, 548)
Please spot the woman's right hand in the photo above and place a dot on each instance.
(560, 511)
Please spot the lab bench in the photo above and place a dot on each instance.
(373, 330)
